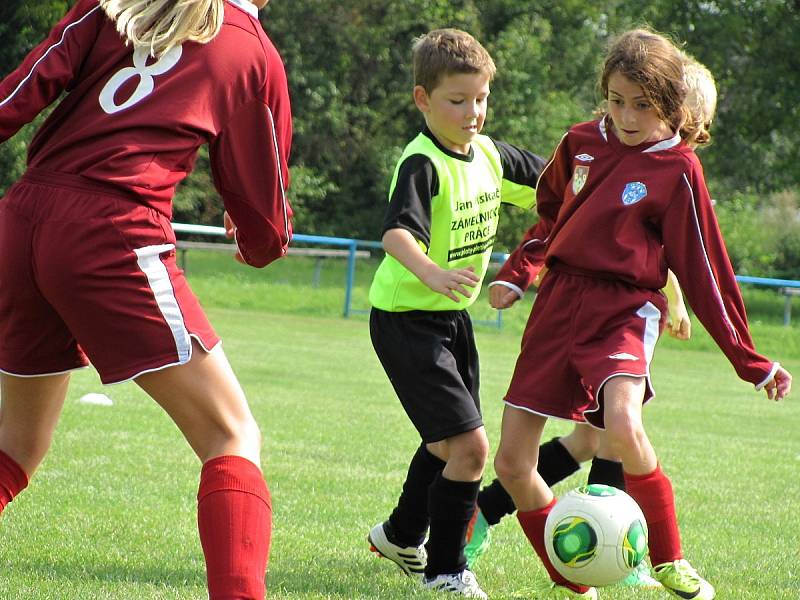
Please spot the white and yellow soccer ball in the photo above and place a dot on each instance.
(596, 535)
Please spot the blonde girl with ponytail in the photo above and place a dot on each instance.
(88, 273)
(161, 24)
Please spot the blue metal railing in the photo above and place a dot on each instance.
(349, 244)
(784, 284)
(352, 245)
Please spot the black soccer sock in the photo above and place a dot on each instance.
(450, 505)
(495, 503)
(555, 462)
(607, 472)
(409, 521)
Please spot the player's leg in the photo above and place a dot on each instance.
(606, 465)
(451, 504)
(432, 362)
(101, 270)
(401, 537)
(582, 443)
(649, 486)
(559, 458)
(29, 411)
(37, 350)
(234, 511)
(464, 446)
(515, 464)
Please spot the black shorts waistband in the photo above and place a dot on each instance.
(421, 314)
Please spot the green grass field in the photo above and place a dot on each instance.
(111, 513)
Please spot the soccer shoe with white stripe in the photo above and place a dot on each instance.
(680, 579)
(411, 559)
(463, 583)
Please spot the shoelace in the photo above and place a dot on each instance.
(686, 574)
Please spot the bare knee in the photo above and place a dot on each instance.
(626, 438)
(27, 452)
(511, 468)
(475, 453)
(238, 435)
(467, 455)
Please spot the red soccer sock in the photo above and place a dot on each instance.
(653, 493)
(12, 479)
(533, 525)
(234, 517)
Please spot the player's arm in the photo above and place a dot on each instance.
(49, 68)
(679, 325)
(521, 171)
(696, 252)
(525, 263)
(249, 160)
(520, 270)
(400, 244)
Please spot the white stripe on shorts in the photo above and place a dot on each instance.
(149, 259)
(652, 317)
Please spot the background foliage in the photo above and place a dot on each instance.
(348, 66)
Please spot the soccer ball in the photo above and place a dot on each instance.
(595, 535)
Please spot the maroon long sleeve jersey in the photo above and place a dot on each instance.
(630, 213)
(137, 122)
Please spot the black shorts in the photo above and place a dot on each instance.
(432, 362)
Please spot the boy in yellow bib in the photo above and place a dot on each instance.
(438, 234)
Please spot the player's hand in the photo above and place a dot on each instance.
(449, 282)
(680, 327)
(230, 228)
(230, 233)
(501, 296)
(780, 385)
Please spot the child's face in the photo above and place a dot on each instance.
(634, 119)
(456, 109)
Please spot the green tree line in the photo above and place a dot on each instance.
(349, 71)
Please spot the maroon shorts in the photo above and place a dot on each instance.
(87, 272)
(582, 331)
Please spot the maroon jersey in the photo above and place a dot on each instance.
(136, 122)
(629, 213)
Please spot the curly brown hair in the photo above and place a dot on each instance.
(651, 60)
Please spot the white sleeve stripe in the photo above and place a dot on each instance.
(509, 285)
(43, 56)
(535, 241)
(715, 286)
(280, 174)
(547, 166)
(552, 160)
(768, 378)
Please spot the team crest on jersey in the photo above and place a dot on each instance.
(633, 192)
(579, 177)
(585, 157)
